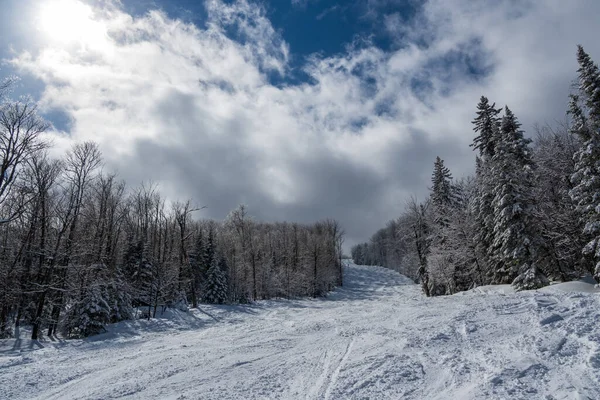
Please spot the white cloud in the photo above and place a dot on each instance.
(194, 110)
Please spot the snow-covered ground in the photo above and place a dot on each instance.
(377, 338)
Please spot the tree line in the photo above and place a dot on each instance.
(530, 214)
(79, 249)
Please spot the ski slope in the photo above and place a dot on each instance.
(377, 338)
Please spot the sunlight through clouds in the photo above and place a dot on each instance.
(68, 22)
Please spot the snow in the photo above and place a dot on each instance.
(376, 338)
(585, 285)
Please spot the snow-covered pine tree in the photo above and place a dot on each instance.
(198, 260)
(589, 87)
(120, 299)
(517, 242)
(487, 127)
(442, 197)
(215, 291)
(90, 314)
(441, 266)
(586, 179)
(209, 248)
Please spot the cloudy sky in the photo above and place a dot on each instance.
(301, 109)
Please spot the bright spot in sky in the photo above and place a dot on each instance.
(69, 22)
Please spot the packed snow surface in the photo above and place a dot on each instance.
(376, 338)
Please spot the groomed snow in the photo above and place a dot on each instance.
(377, 338)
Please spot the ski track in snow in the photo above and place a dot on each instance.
(376, 338)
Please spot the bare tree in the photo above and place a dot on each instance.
(20, 138)
(182, 213)
(81, 162)
(419, 222)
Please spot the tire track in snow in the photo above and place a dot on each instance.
(314, 394)
(336, 373)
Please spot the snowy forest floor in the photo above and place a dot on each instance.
(375, 338)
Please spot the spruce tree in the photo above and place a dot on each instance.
(487, 128)
(441, 191)
(586, 178)
(120, 299)
(215, 291)
(198, 260)
(209, 248)
(487, 124)
(589, 87)
(90, 314)
(516, 242)
(441, 265)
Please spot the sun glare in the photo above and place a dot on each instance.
(70, 21)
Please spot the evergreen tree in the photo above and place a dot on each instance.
(89, 315)
(442, 196)
(198, 260)
(586, 178)
(589, 87)
(136, 269)
(516, 244)
(120, 300)
(487, 128)
(216, 282)
(209, 248)
(441, 265)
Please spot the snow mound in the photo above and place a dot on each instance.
(585, 285)
(489, 289)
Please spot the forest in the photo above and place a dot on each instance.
(79, 249)
(528, 217)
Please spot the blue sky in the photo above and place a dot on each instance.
(301, 109)
(309, 26)
(325, 27)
